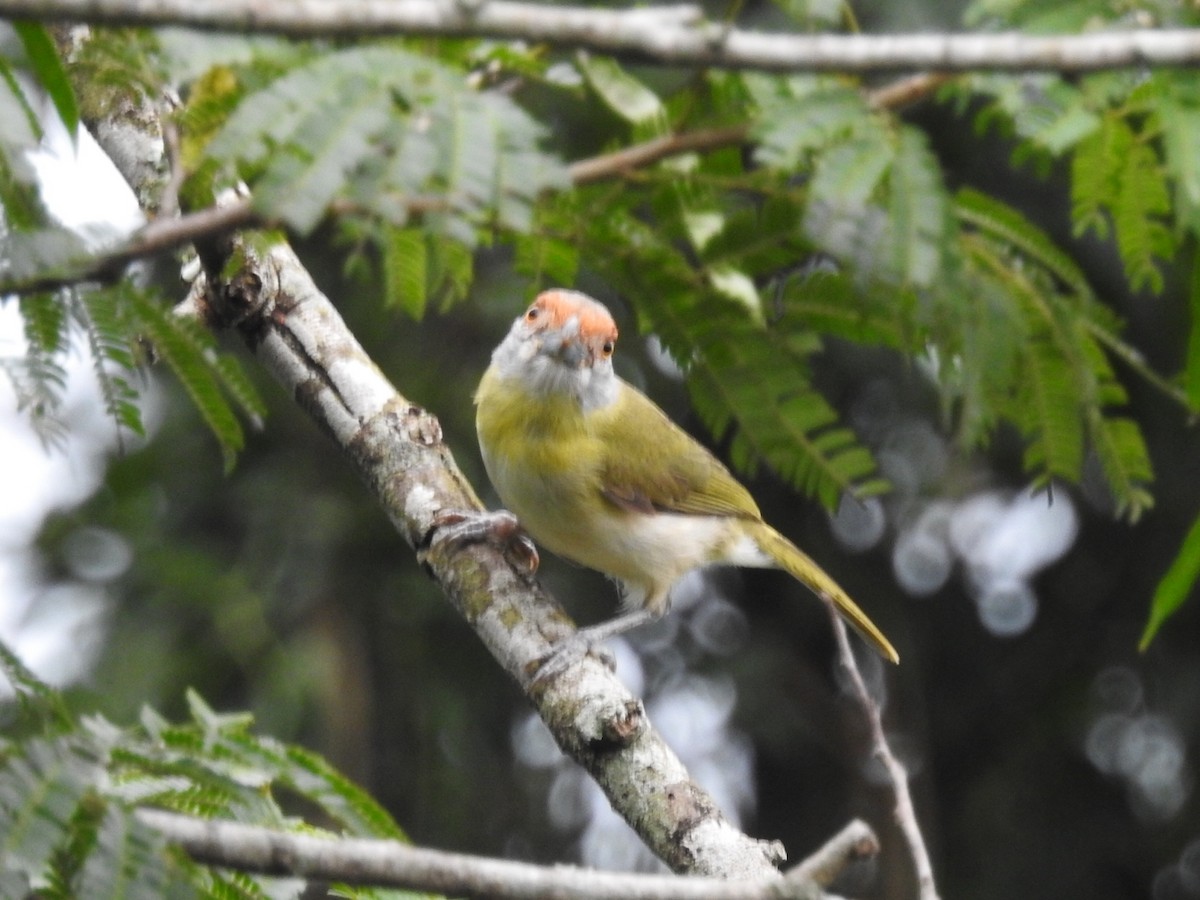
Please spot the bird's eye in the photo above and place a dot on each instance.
(532, 313)
(606, 349)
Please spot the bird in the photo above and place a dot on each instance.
(597, 473)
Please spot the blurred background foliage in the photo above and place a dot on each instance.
(1049, 757)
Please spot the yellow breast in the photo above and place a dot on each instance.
(547, 458)
(542, 460)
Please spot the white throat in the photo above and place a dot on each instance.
(519, 358)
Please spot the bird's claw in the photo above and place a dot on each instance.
(499, 528)
(570, 650)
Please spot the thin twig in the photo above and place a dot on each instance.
(383, 863)
(611, 165)
(905, 815)
(156, 237)
(853, 843)
(168, 202)
(907, 91)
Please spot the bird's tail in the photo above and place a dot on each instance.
(801, 566)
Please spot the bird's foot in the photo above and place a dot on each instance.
(500, 528)
(590, 641)
(572, 649)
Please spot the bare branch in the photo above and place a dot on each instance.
(381, 863)
(907, 91)
(905, 815)
(156, 237)
(854, 842)
(678, 35)
(610, 165)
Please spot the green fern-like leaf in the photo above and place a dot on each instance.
(39, 378)
(67, 801)
(829, 304)
(1116, 439)
(1005, 223)
(38, 702)
(21, 128)
(346, 802)
(188, 350)
(1048, 410)
(405, 270)
(1095, 175)
(1121, 450)
(1046, 115)
(849, 173)
(125, 862)
(546, 260)
(1176, 586)
(41, 788)
(108, 333)
(45, 320)
(237, 384)
(51, 74)
(1116, 175)
(340, 130)
(744, 382)
(1144, 238)
(785, 424)
(798, 115)
(918, 212)
(1177, 115)
(383, 127)
(1064, 397)
(625, 95)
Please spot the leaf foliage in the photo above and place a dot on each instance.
(70, 787)
(381, 127)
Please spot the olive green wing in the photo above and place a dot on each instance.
(652, 465)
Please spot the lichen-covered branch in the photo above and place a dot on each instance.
(677, 34)
(361, 861)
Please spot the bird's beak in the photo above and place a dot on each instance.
(566, 346)
(575, 354)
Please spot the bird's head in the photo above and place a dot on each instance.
(563, 343)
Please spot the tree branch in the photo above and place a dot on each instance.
(677, 35)
(611, 165)
(156, 237)
(904, 813)
(379, 863)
